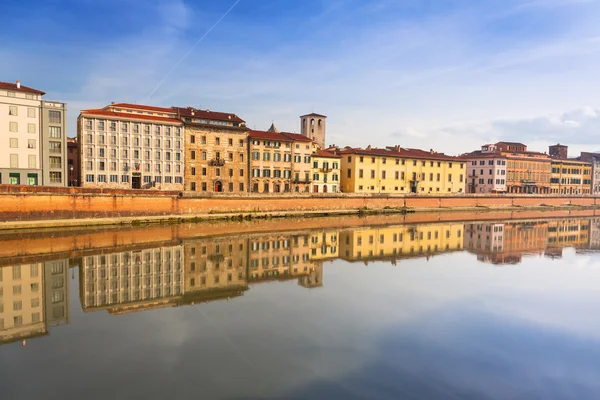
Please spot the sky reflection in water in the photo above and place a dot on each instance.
(510, 318)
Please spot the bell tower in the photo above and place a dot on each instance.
(314, 126)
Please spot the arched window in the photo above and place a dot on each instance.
(312, 122)
(304, 122)
(320, 123)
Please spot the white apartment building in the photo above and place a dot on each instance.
(486, 171)
(32, 137)
(129, 146)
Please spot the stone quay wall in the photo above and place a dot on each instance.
(28, 203)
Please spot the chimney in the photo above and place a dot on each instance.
(431, 151)
(368, 147)
(18, 84)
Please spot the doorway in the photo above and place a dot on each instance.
(136, 182)
(218, 186)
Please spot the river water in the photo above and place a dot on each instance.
(437, 310)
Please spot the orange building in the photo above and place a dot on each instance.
(526, 171)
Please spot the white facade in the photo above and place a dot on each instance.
(130, 148)
(486, 174)
(20, 152)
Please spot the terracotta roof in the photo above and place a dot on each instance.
(296, 137)
(142, 107)
(266, 135)
(314, 115)
(512, 143)
(480, 154)
(13, 86)
(326, 154)
(400, 153)
(207, 114)
(129, 116)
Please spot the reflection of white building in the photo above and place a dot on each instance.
(32, 298)
(132, 280)
(486, 240)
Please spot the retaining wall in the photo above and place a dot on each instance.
(40, 203)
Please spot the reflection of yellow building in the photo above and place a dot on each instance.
(32, 297)
(215, 268)
(279, 257)
(324, 245)
(400, 241)
(568, 233)
(132, 280)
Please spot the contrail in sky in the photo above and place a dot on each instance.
(192, 49)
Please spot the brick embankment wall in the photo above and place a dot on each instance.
(28, 203)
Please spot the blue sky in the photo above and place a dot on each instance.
(448, 74)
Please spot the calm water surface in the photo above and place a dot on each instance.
(501, 310)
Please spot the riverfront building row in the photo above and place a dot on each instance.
(131, 146)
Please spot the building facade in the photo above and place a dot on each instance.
(279, 162)
(129, 146)
(594, 160)
(402, 171)
(73, 163)
(216, 151)
(570, 177)
(486, 172)
(527, 171)
(32, 137)
(325, 172)
(54, 143)
(314, 127)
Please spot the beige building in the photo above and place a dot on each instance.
(215, 146)
(325, 172)
(130, 146)
(32, 137)
(280, 162)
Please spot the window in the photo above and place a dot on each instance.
(54, 147)
(56, 162)
(14, 161)
(13, 127)
(55, 117)
(14, 143)
(13, 110)
(55, 132)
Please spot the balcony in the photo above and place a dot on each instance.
(297, 181)
(326, 170)
(217, 162)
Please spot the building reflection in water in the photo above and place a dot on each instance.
(33, 298)
(132, 280)
(507, 243)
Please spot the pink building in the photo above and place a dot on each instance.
(486, 170)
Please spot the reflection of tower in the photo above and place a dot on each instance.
(315, 278)
(313, 126)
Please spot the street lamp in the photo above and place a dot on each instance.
(70, 175)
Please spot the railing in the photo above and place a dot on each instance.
(218, 162)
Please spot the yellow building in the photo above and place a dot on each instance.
(570, 177)
(279, 162)
(325, 172)
(396, 242)
(399, 170)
